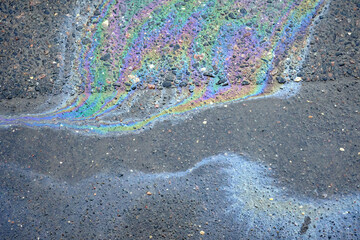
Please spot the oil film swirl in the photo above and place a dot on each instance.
(141, 61)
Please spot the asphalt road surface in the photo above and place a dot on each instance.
(282, 165)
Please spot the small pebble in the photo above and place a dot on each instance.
(297, 79)
(105, 24)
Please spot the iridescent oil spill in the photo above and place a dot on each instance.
(142, 61)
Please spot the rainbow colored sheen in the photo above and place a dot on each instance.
(210, 51)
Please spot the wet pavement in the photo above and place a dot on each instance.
(281, 165)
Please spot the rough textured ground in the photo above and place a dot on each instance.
(57, 184)
(31, 47)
